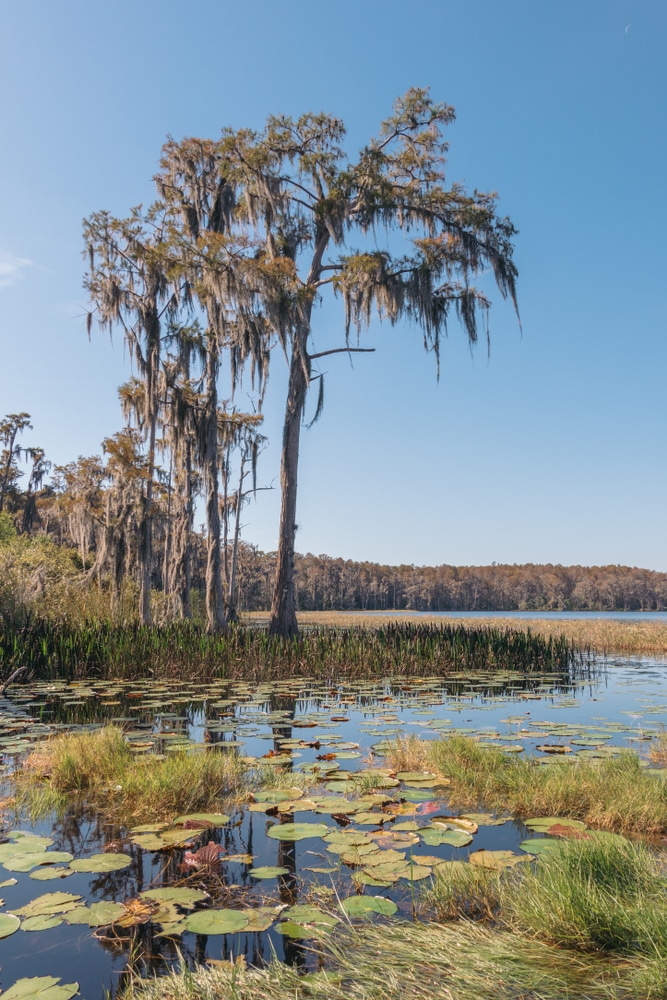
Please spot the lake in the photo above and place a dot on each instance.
(336, 730)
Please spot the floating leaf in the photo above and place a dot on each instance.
(216, 922)
(48, 873)
(25, 862)
(435, 837)
(8, 924)
(96, 915)
(415, 775)
(101, 863)
(538, 845)
(40, 988)
(361, 906)
(187, 898)
(268, 872)
(297, 831)
(306, 914)
(212, 819)
(49, 903)
(542, 823)
(260, 918)
(495, 860)
(7, 882)
(42, 922)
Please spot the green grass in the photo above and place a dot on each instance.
(617, 794)
(404, 961)
(101, 766)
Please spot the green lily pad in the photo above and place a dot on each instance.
(187, 898)
(542, 823)
(303, 913)
(213, 819)
(149, 841)
(148, 828)
(42, 922)
(496, 860)
(8, 924)
(297, 831)
(268, 872)
(437, 836)
(260, 918)
(50, 903)
(8, 882)
(25, 862)
(361, 906)
(101, 863)
(216, 922)
(290, 929)
(96, 915)
(49, 873)
(485, 819)
(416, 775)
(539, 845)
(40, 988)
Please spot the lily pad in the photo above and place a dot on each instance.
(40, 988)
(297, 831)
(437, 836)
(96, 915)
(26, 862)
(49, 903)
(213, 819)
(542, 823)
(42, 922)
(187, 898)
(101, 863)
(216, 922)
(49, 873)
(8, 924)
(267, 871)
(496, 860)
(361, 906)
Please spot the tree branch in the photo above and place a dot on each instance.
(11, 679)
(343, 350)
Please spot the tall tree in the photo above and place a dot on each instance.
(129, 288)
(10, 427)
(287, 204)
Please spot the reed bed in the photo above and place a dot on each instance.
(616, 794)
(50, 649)
(597, 635)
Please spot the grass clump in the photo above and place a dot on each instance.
(617, 794)
(462, 891)
(603, 894)
(401, 961)
(101, 766)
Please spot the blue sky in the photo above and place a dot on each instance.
(552, 449)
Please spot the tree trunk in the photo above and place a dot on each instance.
(145, 554)
(283, 607)
(231, 593)
(215, 608)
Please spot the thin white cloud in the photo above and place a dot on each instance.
(12, 269)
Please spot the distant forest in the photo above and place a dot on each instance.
(324, 583)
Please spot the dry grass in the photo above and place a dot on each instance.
(599, 635)
(615, 794)
(657, 751)
(101, 765)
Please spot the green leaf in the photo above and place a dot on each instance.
(48, 873)
(101, 863)
(361, 906)
(213, 819)
(187, 898)
(297, 831)
(40, 988)
(268, 872)
(542, 823)
(49, 903)
(216, 922)
(496, 860)
(25, 862)
(303, 913)
(8, 924)
(437, 836)
(96, 915)
(42, 922)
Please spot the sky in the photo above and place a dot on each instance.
(550, 449)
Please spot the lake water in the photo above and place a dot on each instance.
(338, 729)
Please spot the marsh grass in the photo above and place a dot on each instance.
(602, 894)
(657, 751)
(403, 961)
(462, 891)
(183, 649)
(617, 794)
(599, 635)
(100, 765)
